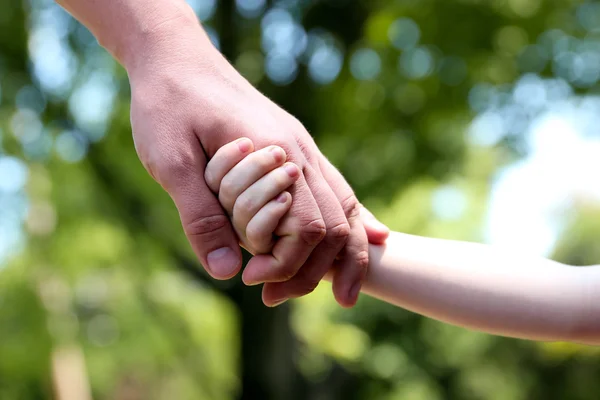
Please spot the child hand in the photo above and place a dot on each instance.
(251, 188)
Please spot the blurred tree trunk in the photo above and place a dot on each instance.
(268, 345)
(69, 374)
(268, 349)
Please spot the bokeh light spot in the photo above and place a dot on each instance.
(449, 203)
(13, 174)
(481, 96)
(511, 39)
(325, 64)
(213, 36)
(588, 15)
(103, 330)
(26, 126)
(416, 63)
(71, 147)
(365, 64)
(404, 34)
(41, 219)
(30, 98)
(487, 129)
(204, 9)
(524, 8)
(532, 59)
(250, 8)
(530, 92)
(91, 104)
(281, 68)
(54, 63)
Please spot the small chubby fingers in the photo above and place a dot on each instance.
(262, 191)
(261, 228)
(224, 160)
(247, 172)
(377, 232)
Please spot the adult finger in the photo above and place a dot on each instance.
(300, 231)
(352, 263)
(321, 260)
(207, 227)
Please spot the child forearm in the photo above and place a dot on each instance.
(486, 289)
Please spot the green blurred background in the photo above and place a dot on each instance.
(466, 119)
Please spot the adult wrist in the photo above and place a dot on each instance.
(154, 34)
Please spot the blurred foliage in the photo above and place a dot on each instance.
(94, 257)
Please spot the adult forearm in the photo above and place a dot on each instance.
(130, 29)
(487, 289)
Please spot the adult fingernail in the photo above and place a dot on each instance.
(291, 169)
(279, 302)
(223, 262)
(354, 290)
(244, 145)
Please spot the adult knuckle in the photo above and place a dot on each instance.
(290, 148)
(172, 170)
(313, 232)
(362, 259)
(305, 148)
(150, 160)
(306, 286)
(339, 233)
(286, 272)
(178, 164)
(207, 227)
(295, 124)
(351, 206)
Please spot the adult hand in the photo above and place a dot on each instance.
(187, 101)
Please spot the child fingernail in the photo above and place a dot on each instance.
(278, 153)
(282, 198)
(291, 169)
(244, 145)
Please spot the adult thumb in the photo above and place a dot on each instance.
(377, 233)
(204, 221)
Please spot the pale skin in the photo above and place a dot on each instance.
(470, 285)
(188, 101)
